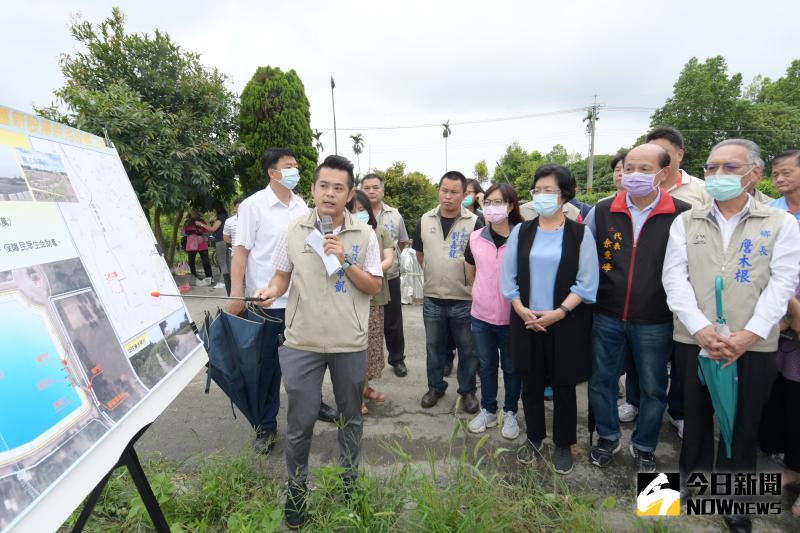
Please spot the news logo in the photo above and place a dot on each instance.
(659, 494)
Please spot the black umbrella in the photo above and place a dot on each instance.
(242, 357)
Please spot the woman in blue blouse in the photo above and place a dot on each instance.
(550, 272)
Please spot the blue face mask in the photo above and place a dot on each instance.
(468, 201)
(289, 178)
(724, 187)
(363, 216)
(545, 203)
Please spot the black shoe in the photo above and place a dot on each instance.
(562, 460)
(601, 453)
(738, 524)
(295, 510)
(265, 440)
(327, 413)
(645, 462)
(448, 368)
(400, 369)
(469, 403)
(431, 398)
(348, 488)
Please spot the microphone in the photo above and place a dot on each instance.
(326, 224)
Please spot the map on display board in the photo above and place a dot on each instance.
(88, 357)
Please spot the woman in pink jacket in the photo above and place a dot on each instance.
(490, 311)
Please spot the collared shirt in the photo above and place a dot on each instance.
(229, 229)
(261, 220)
(781, 204)
(690, 189)
(372, 257)
(783, 266)
(638, 216)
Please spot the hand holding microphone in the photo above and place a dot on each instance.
(332, 244)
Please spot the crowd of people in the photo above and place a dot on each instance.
(553, 292)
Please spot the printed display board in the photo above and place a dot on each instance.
(88, 357)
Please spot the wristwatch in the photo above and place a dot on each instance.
(566, 309)
(346, 264)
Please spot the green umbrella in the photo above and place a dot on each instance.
(722, 383)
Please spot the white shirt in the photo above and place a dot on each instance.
(229, 229)
(690, 189)
(784, 266)
(261, 220)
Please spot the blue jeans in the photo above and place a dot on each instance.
(270, 418)
(439, 320)
(674, 394)
(490, 341)
(651, 346)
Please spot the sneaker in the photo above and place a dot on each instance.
(602, 453)
(208, 282)
(529, 452)
(510, 425)
(484, 420)
(677, 423)
(265, 441)
(627, 412)
(644, 461)
(219, 285)
(562, 460)
(295, 510)
(548, 394)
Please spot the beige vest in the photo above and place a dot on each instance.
(443, 268)
(326, 314)
(529, 213)
(691, 190)
(744, 267)
(391, 219)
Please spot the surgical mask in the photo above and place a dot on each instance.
(289, 178)
(724, 187)
(363, 216)
(468, 201)
(639, 184)
(545, 203)
(495, 214)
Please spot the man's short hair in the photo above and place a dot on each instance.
(563, 176)
(619, 158)
(668, 133)
(271, 157)
(456, 176)
(788, 154)
(663, 157)
(371, 176)
(337, 162)
(753, 150)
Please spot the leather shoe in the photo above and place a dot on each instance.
(430, 398)
(469, 403)
(295, 509)
(265, 441)
(400, 369)
(738, 524)
(327, 413)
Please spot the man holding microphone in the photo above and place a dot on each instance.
(326, 321)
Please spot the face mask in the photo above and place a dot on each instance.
(639, 184)
(467, 201)
(724, 187)
(495, 214)
(363, 216)
(545, 203)
(289, 178)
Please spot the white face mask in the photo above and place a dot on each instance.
(290, 177)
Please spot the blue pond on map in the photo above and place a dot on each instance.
(35, 390)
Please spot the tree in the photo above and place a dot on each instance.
(786, 89)
(705, 106)
(172, 120)
(775, 127)
(275, 113)
(317, 143)
(481, 172)
(446, 134)
(517, 167)
(358, 147)
(412, 193)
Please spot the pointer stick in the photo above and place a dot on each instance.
(156, 294)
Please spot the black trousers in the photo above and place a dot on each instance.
(780, 423)
(756, 372)
(203, 258)
(393, 324)
(565, 407)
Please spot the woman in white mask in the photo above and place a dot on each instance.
(550, 270)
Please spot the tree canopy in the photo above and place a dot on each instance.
(412, 193)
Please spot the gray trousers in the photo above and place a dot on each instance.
(222, 257)
(302, 378)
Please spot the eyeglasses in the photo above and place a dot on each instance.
(545, 191)
(496, 203)
(728, 168)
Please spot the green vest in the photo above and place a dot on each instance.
(326, 314)
(744, 267)
(443, 267)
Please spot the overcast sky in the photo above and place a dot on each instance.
(425, 62)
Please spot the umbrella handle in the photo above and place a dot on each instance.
(718, 286)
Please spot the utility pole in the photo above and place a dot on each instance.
(333, 106)
(591, 127)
